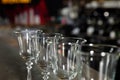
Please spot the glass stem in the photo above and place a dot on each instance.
(45, 75)
(29, 67)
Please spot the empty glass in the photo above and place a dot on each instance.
(68, 58)
(98, 61)
(46, 59)
(26, 47)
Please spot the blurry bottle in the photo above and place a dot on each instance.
(112, 34)
(31, 16)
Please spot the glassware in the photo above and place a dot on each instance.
(99, 61)
(26, 47)
(47, 57)
(68, 58)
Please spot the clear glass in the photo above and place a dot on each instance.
(68, 58)
(47, 58)
(98, 61)
(26, 48)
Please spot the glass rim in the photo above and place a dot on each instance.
(52, 33)
(100, 45)
(77, 38)
(27, 30)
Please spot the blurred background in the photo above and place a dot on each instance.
(98, 21)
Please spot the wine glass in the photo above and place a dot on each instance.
(26, 46)
(99, 61)
(68, 58)
(46, 43)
